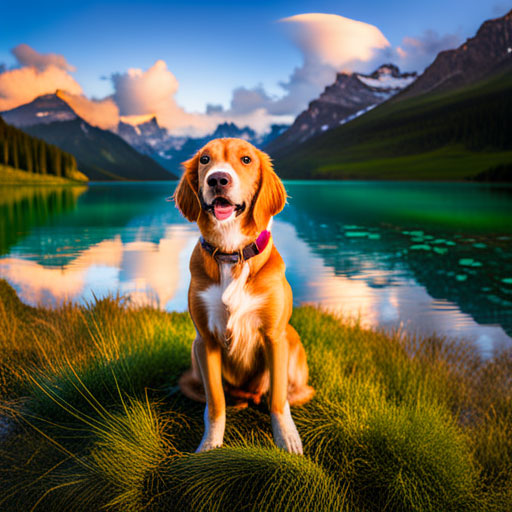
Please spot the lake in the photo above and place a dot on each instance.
(425, 257)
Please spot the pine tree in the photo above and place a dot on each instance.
(42, 157)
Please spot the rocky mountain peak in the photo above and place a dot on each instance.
(44, 109)
(490, 50)
(350, 95)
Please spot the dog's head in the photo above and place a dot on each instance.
(229, 181)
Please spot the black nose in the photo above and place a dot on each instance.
(219, 179)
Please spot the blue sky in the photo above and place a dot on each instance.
(212, 48)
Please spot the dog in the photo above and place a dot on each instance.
(239, 299)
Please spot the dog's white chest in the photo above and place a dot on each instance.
(233, 313)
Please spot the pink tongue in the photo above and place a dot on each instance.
(223, 212)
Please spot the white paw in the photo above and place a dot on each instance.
(285, 432)
(213, 433)
(208, 444)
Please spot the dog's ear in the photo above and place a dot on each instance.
(271, 196)
(186, 194)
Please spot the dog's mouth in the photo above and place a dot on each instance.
(223, 208)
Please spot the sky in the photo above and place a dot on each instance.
(195, 64)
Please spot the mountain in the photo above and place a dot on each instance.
(21, 152)
(100, 154)
(460, 128)
(146, 137)
(488, 52)
(351, 95)
(43, 110)
(169, 150)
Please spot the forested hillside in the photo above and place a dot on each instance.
(461, 134)
(22, 151)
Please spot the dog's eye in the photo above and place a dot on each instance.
(204, 159)
(246, 160)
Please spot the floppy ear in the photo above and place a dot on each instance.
(271, 196)
(186, 193)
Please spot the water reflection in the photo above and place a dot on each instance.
(391, 254)
(23, 207)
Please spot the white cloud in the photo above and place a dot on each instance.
(334, 40)
(328, 44)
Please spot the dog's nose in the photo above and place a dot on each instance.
(219, 179)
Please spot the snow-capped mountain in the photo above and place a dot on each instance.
(351, 95)
(148, 137)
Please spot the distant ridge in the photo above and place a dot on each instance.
(100, 154)
(150, 139)
(442, 127)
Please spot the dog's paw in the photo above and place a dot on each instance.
(208, 444)
(213, 432)
(285, 432)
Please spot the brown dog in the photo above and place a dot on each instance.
(239, 299)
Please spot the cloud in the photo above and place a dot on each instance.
(138, 92)
(416, 53)
(28, 57)
(328, 44)
(334, 40)
(101, 113)
(141, 92)
(22, 85)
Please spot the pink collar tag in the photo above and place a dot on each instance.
(262, 240)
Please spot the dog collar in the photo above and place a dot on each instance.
(253, 249)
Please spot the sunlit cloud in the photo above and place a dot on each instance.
(22, 85)
(101, 113)
(139, 92)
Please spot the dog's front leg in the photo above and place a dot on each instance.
(208, 355)
(284, 430)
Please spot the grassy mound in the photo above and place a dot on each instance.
(11, 176)
(92, 419)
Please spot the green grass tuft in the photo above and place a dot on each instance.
(92, 420)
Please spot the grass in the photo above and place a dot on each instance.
(95, 421)
(432, 165)
(11, 176)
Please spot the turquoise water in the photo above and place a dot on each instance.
(431, 258)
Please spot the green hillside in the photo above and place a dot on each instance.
(24, 158)
(100, 154)
(456, 135)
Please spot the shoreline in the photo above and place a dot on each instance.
(9, 176)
